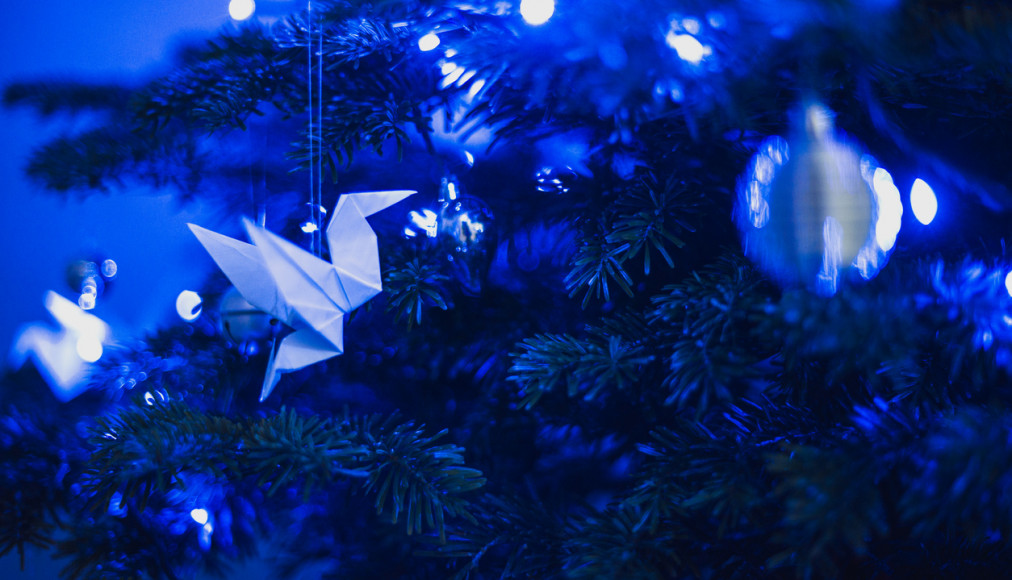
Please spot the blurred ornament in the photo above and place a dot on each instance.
(556, 180)
(62, 357)
(189, 305)
(814, 209)
(242, 323)
(466, 234)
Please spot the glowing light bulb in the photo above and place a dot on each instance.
(241, 9)
(89, 349)
(688, 47)
(188, 305)
(1008, 283)
(923, 202)
(890, 209)
(537, 12)
(428, 42)
(199, 515)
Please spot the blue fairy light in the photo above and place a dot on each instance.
(923, 202)
(536, 12)
(428, 42)
(1008, 283)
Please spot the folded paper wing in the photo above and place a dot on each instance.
(307, 293)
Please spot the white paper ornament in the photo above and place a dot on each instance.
(813, 209)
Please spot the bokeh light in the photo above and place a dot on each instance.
(537, 12)
(199, 515)
(241, 9)
(1008, 283)
(109, 268)
(428, 42)
(687, 46)
(890, 209)
(923, 202)
(426, 221)
(86, 301)
(189, 305)
(89, 348)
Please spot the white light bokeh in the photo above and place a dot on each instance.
(428, 42)
(890, 209)
(537, 12)
(923, 202)
(241, 9)
(688, 47)
(89, 348)
(199, 515)
(188, 305)
(1008, 283)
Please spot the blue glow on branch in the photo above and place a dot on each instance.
(428, 42)
(199, 515)
(241, 9)
(537, 12)
(923, 202)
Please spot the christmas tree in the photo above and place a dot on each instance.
(687, 289)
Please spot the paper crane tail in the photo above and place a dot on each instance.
(299, 350)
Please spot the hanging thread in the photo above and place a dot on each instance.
(315, 132)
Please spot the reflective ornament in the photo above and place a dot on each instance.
(813, 209)
(242, 323)
(466, 234)
(556, 180)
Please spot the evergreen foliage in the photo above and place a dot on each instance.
(626, 396)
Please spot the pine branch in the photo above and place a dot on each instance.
(409, 473)
(707, 326)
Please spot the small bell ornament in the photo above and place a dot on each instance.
(466, 235)
(243, 324)
(813, 209)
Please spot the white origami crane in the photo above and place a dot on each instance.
(62, 357)
(309, 294)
